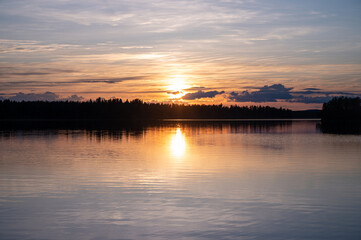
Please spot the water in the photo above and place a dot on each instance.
(181, 180)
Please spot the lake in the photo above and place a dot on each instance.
(180, 180)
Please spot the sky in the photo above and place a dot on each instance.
(282, 53)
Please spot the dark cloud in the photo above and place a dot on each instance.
(175, 92)
(277, 92)
(303, 99)
(75, 98)
(309, 92)
(311, 89)
(264, 94)
(47, 96)
(201, 94)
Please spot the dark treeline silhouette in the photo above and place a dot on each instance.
(132, 110)
(341, 115)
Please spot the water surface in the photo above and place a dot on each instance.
(181, 180)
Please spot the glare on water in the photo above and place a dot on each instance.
(181, 181)
(178, 144)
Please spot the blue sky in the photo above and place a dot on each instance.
(161, 51)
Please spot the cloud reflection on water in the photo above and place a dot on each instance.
(181, 180)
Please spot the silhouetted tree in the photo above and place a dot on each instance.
(341, 115)
(129, 110)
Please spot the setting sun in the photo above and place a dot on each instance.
(177, 84)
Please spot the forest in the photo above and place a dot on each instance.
(132, 110)
(341, 115)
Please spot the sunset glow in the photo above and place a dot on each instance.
(229, 52)
(180, 119)
(178, 144)
(177, 86)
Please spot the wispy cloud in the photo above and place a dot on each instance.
(47, 96)
(72, 82)
(224, 45)
(12, 71)
(106, 80)
(26, 46)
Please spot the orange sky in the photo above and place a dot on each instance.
(279, 53)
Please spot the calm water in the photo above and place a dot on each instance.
(248, 180)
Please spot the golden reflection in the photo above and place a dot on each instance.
(178, 144)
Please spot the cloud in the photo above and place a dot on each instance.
(47, 96)
(264, 94)
(277, 92)
(195, 88)
(201, 94)
(107, 80)
(26, 46)
(311, 89)
(222, 43)
(75, 98)
(24, 73)
(303, 99)
(174, 92)
(11, 71)
(309, 92)
(75, 81)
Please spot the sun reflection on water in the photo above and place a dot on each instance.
(178, 144)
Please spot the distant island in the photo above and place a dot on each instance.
(138, 110)
(341, 115)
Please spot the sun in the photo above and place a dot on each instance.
(177, 85)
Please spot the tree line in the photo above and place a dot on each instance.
(341, 115)
(129, 110)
